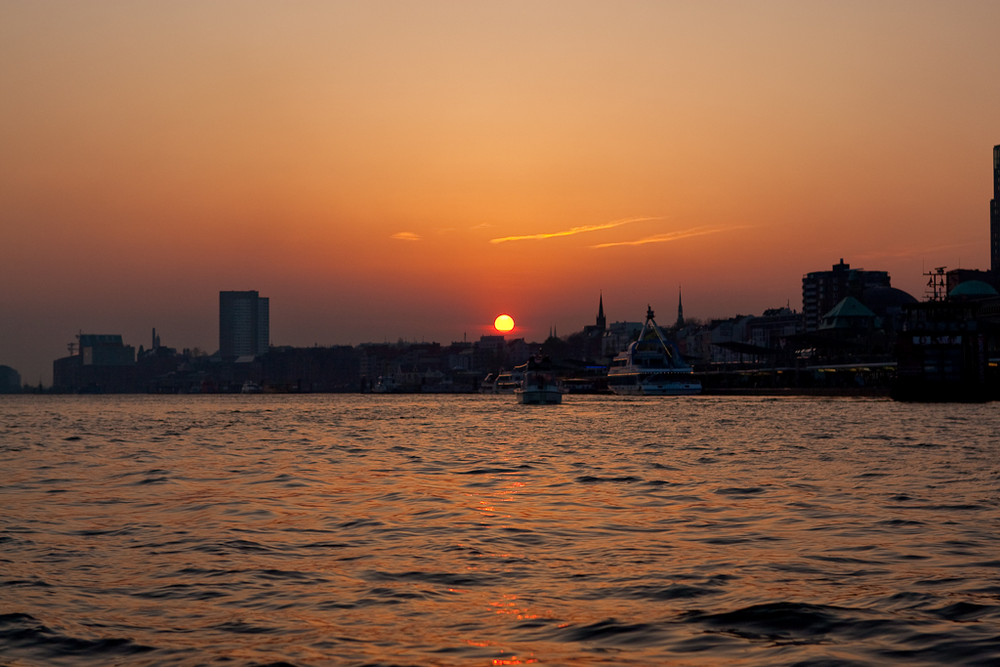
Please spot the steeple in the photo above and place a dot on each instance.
(680, 309)
(601, 322)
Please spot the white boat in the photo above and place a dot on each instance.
(508, 382)
(652, 366)
(539, 385)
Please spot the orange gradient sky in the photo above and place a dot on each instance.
(385, 170)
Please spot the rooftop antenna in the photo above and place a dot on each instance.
(937, 284)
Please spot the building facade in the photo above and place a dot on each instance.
(995, 215)
(244, 324)
(822, 290)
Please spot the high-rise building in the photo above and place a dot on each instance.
(822, 290)
(995, 216)
(244, 324)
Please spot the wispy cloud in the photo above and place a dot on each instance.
(406, 236)
(911, 252)
(669, 236)
(583, 229)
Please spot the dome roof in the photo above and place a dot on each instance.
(883, 300)
(973, 288)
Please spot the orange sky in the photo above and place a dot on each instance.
(357, 162)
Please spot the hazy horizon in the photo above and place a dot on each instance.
(410, 170)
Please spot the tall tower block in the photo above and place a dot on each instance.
(995, 216)
(244, 324)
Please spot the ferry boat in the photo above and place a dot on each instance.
(652, 366)
(539, 385)
(506, 382)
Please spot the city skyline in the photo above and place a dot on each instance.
(412, 171)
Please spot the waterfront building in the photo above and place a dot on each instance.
(617, 337)
(822, 290)
(774, 328)
(244, 324)
(10, 380)
(995, 215)
(97, 363)
(949, 348)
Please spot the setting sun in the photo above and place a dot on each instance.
(503, 323)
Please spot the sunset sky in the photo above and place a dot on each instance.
(384, 170)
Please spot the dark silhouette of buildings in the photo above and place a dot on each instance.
(101, 363)
(949, 346)
(995, 215)
(244, 324)
(855, 332)
(822, 290)
(10, 380)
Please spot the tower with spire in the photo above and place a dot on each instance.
(601, 323)
(680, 310)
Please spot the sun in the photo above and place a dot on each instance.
(503, 323)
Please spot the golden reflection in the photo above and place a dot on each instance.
(508, 605)
(513, 660)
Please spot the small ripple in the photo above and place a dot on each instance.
(740, 490)
(650, 592)
(590, 479)
(771, 620)
(447, 579)
(29, 583)
(612, 631)
(965, 611)
(26, 635)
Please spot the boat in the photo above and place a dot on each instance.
(651, 366)
(539, 385)
(507, 382)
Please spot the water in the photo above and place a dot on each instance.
(469, 530)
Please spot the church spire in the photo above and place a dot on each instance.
(601, 322)
(680, 309)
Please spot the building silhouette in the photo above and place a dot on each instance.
(10, 380)
(822, 290)
(98, 363)
(600, 325)
(244, 324)
(995, 215)
(679, 324)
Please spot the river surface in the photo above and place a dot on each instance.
(469, 530)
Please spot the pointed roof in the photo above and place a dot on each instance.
(846, 313)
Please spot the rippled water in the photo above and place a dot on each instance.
(415, 530)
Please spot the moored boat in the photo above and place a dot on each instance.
(539, 385)
(652, 366)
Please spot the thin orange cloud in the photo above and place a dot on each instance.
(912, 252)
(583, 229)
(669, 236)
(406, 236)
